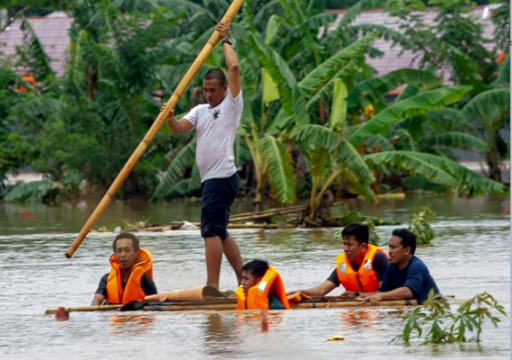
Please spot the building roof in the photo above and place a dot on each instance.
(51, 30)
(395, 57)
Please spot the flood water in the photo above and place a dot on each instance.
(470, 255)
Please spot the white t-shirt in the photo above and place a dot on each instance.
(216, 132)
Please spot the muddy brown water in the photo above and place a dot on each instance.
(470, 255)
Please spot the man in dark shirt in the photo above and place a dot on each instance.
(132, 266)
(367, 276)
(407, 276)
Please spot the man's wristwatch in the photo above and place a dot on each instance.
(227, 41)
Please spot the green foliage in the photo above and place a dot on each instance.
(420, 225)
(440, 325)
(33, 191)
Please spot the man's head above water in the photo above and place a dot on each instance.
(252, 272)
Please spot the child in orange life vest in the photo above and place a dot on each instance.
(131, 275)
(261, 288)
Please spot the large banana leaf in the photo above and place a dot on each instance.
(194, 183)
(191, 8)
(386, 33)
(268, 10)
(280, 171)
(183, 161)
(269, 88)
(419, 104)
(349, 157)
(437, 169)
(317, 78)
(503, 77)
(350, 68)
(37, 59)
(291, 98)
(355, 10)
(315, 137)
(32, 191)
(489, 108)
(376, 88)
(339, 106)
(455, 140)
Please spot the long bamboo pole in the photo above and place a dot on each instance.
(134, 158)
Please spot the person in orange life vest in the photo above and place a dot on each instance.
(407, 276)
(360, 269)
(131, 275)
(261, 287)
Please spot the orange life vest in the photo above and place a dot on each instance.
(257, 296)
(363, 280)
(133, 289)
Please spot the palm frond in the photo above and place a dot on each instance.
(437, 169)
(183, 161)
(280, 171)
(419, 104)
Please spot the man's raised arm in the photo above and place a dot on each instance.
(234, 82)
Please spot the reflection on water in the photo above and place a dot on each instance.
(131, 324)
(470, 254)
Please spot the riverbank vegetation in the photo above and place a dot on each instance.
(318, 123)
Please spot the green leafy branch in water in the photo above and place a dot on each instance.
(447, 327)
(420, 225)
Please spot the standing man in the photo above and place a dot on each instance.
(216, 123)
(407, 277)
(360, 268)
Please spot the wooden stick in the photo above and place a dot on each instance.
(134, 158)
(353, 303)
(230, 304)
(86, 309)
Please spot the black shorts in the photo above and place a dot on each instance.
(217, 195)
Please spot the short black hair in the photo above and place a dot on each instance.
(360, 231)
(216, 74)
(127, 235)
(408, 239)
(257, 267)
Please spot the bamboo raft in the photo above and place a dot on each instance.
(228, 305)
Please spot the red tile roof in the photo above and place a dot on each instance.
(392, 60)
(52, 31)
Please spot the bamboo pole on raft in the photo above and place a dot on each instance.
(231, 306)
(134, 158)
